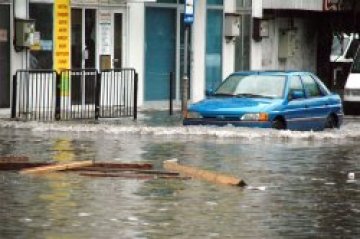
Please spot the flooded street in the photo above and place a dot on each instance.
(299, 186)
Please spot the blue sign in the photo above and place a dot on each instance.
(189, 12)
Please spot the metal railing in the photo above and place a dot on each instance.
(115, 105)
(34, 95)
(74, 94)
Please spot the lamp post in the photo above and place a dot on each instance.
(188, 20)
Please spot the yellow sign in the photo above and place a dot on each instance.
(62, 40)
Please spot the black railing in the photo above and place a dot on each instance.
(118, 93)
(171, 93)
(74, 94)
(34, 95)
(78, 90)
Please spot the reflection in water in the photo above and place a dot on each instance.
(305, 174)
(64, 151)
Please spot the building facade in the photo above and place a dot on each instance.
(147, 35)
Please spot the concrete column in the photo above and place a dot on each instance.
(256, 47)
(198, 52)
(228, 56)
(136, 39)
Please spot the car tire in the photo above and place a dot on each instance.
(278, 124)
(331, 122)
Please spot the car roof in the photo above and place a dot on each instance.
(272, 72)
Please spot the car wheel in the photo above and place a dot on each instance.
(278, 124)
(331, 122)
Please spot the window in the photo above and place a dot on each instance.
(242, 42)
(311, 87)
(295, 85)
(41, 57)
(213, 58)
(215, 2)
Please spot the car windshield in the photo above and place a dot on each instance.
(268, 86)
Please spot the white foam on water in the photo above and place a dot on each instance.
(348, 131)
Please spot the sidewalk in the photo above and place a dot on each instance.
(148, 116)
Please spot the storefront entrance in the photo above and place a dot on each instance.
(4, 56)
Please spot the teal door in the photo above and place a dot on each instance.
(160, 52)
(4, 56)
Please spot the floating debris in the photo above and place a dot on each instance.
(261, 188)
(206, 175)
(351, 176)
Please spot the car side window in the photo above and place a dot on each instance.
(294, 85)
(312, 88)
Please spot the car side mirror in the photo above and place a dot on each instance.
(209, 92)
(297, 94)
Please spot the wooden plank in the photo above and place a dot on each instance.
(20, 165)
(124, 165)
(206, 175)
(133, 176)
(13, 159)
(56, 167)
(117, 175)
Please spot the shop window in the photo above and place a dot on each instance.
(213, 57)
(166, 1)
(242, 42)
(243, 3)
(215, 2)
(41, 54)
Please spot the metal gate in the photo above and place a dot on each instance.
(74, 94)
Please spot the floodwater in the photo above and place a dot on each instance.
(298, 182)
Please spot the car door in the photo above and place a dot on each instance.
(316, 103)
(296, 113)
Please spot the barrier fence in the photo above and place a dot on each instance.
(74, 94)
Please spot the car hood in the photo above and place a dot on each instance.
(230, 106)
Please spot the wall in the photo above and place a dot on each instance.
(198, 62)
(316, 5)
(305, 42)
(228, 46)
(136, 49)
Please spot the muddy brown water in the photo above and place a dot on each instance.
(299, 182)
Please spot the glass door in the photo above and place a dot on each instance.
(83, 54)
(4, 56)
(118, 40)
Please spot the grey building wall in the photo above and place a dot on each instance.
(302, 46)
(315, 5)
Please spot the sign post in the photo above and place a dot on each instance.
(188, 21)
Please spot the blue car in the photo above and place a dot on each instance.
(269, 99)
